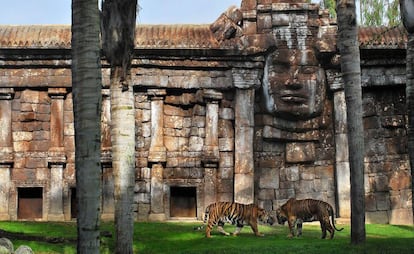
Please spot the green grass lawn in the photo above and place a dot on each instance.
(176, 237)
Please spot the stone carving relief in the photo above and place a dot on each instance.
(294, 85)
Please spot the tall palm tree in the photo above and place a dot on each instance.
(407, 16)
(86, 83)
(118, 34)
(351, 73)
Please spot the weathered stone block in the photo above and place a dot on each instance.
(370, 203)
(305, 187)
(307, 173)
(401, 217)
(195, 143)
(226, 160)
(300, 152)
(226, 113)
(377, 217)
(381, 183)
(286, 185)
(269, 178)
(244, 188)
(225, 129)
(225, 172)
(225, 185)
(199, 121)
(383, 201)
(143, 212)
(226, 144)
(173, 121)
(266, 194)
(146, 130)
(291, 173)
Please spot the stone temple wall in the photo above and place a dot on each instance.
(250, 108)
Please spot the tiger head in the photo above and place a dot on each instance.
(264, 216)
(281, 216)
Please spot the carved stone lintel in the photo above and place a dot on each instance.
(246, 78)
(56, 157)
(57, 93)
(157, 154)
(335, 81)
(6, 93)
(6, 155)
(213, 95)
(156, 92)
(211, 155)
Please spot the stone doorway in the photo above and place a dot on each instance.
(183, 202)
(30, 203)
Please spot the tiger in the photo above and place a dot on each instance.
(298, 211)
(235, 213)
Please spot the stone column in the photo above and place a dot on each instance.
(157, 151)
(245, 82)
(106, 145)
(6, 150)
(210, 150)
(343, 183)
(157, 154)
(108, 202)
(157, 212)
(56, 155)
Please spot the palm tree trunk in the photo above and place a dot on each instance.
(118, 34)
(409, 89)
(407, 16)
(87, 82)
(123, 158)
(351, 73)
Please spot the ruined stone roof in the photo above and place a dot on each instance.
(175, 36)
(147, 36)
(35, 36)
(171, 37)
(383, 37)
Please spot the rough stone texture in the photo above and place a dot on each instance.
(7, 244)
(208, 116)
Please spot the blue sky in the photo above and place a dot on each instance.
(20, 12)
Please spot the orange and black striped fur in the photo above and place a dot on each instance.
(236, 214)
(295, 212)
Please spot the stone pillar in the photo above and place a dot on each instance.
(56, 156)
(56, 192)
(108, 187)
(210, 150)
(57, 96)
(108, 202)
(6, 150)
(343, 183)
(106, 144)
(5, 185)
(157, 151)
(157, 212)
(245, 82)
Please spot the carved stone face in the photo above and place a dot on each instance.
(293, 84)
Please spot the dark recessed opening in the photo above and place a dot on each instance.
(183, 202)
(73, 204)
(30, 203)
